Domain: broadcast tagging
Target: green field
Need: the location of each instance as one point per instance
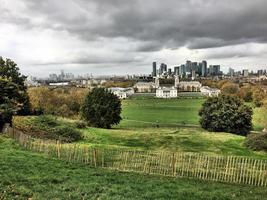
(27, 175)
(162, 112)
(149, 112)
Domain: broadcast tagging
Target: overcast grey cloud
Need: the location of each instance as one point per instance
(102, 36)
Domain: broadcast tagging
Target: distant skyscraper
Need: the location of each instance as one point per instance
(260, 72)
(154, 69)
(231, 72)
(169, 71)
(176, 71)
(245, 73)
(183, 70)
(188, 66)
(163, 68)
(193, 74)
(204, 68)
(214, 70)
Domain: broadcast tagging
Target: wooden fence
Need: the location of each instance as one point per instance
(230, 169)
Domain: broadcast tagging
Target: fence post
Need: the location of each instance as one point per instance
(94, 152)
(173, 164)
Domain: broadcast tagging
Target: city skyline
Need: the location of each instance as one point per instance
(123, 37)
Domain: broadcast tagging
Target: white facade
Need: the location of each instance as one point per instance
(122, 93)
(189, 86)
(166, 92)
(210, 92)
(144, 87)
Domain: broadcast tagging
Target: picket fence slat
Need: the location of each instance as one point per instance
(231, 169)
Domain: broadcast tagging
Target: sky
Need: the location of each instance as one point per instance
(108, 37)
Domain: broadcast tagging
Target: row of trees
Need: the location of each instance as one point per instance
(64, 102)
(246, 92)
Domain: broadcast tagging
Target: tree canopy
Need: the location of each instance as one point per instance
(13, 98)
(226, 113)
(101, 108)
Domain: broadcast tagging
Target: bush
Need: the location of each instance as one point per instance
(66, 134)
(47, 127)
(257, 141)
(2, 122)
(80, 125)
(226, 113)
(101, 108)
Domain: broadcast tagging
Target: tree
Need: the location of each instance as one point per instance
(258, 97)
(13, 98)
(230, 89)
(246, 93)
(101, 108)
(226, 113)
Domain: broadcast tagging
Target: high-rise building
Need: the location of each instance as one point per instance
(194, 66)
(245, 73)
(204, 68)
(214, 70)
(176, 71)
(231, 72)
(183, 70)
(188, 66)
(154, 69)
(170, 71)
(260, 72)
(163, 68)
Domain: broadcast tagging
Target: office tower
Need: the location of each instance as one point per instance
(176, 71)
(193, 74)
(183, 70)
(163, 68)
(169, 71)
(154, 69)
(214, 70)
(188, 66)
(260, 72)
(194, 66)
(204, 71)
(245, 73)
(231, 72)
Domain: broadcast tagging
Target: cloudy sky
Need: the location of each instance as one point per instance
(126, 36)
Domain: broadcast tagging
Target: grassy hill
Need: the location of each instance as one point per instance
(26, 175)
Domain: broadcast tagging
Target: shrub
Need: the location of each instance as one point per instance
(226, 113)
(101, 108)
(47, 127)
(80, 125)
(66, 134)
(257, 141)
(2, 122)
(46, 120)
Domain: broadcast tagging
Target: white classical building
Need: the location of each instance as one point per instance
(210, 92)
(172, 92)
(166, 92)
(145, 87)
(122, 93)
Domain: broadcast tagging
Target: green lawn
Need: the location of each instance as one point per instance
(171, 113)
(164, 112)
(27, 175)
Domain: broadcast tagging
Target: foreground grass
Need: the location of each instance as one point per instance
(29, 175)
